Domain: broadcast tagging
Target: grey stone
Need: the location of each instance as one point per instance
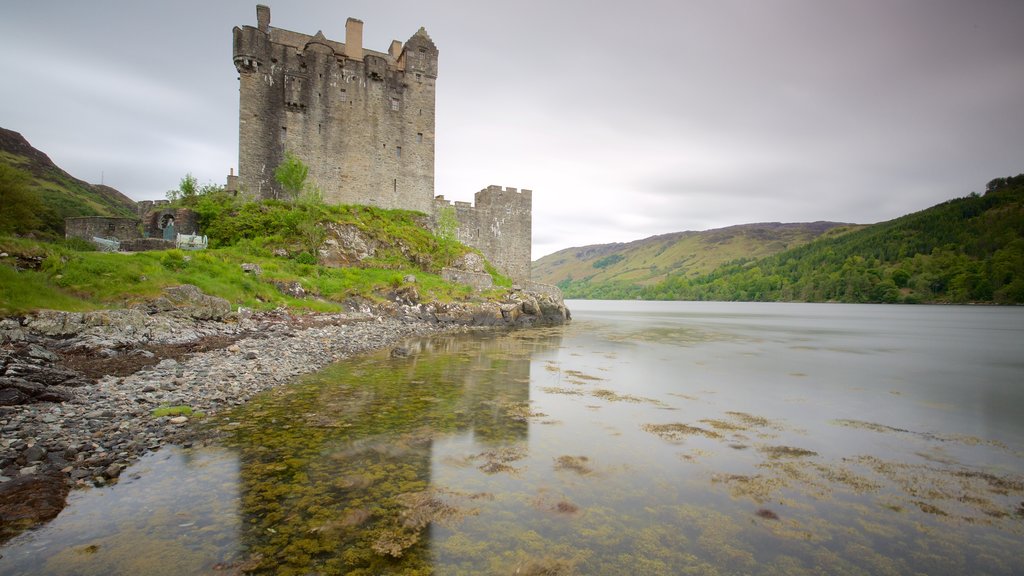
(40, 353)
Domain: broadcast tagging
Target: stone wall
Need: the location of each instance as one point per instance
(500, 225)
(549, 290)
(155, 222)
(363, 121)
(86, 227)
(478, 280)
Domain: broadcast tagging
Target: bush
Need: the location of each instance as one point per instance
(306, 258)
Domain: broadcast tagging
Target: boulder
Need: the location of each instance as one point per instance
(30, 500)
(191, 301)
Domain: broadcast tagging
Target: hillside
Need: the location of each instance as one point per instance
(969, 249)
(61, 194)
(652, 260)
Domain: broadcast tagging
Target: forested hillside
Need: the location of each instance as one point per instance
(965, 250)
(651, 260)
(36, 195)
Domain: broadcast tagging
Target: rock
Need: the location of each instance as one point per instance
(280, 253)
(250, 268)
(234, 348)
(114, 470)
(250, 355)
(293, 289)
(38, 352)
(530, 306)
(408, 295)
(191, 301)
(346, 245)
(178, 420)
(409, 279)
(34, 453)
(28, 501)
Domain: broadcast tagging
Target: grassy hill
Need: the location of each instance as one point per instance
(60, 194)
(273, 235)
(969, 249)
(652, 260)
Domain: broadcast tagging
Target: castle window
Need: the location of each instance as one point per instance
(394, 104)
(419, 137)
(319, 128)
(398, 151)
(344, 95)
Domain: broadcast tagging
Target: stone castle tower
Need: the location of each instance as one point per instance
(363, 121)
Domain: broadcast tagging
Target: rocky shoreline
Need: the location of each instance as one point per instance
(79, 392)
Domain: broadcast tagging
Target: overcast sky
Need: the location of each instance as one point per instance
(625, 119)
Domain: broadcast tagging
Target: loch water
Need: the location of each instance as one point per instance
(642, 438)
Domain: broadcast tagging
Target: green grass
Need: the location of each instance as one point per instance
(242, 232)
(173, 411)
(78, 281)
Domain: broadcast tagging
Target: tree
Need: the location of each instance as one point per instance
(447, 224)
(19, 204)
(291, 175)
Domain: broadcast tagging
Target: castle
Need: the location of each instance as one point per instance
(363, 121)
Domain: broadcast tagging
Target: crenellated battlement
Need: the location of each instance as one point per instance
(499, 224)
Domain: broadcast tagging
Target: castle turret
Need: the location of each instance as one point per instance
(263, 18)
(354, 39)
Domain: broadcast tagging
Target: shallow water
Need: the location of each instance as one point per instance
(648, 438)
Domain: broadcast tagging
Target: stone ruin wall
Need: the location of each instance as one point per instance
(87, 227)
(499, 225)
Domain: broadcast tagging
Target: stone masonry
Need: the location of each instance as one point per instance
(497, 226)
(363, 121)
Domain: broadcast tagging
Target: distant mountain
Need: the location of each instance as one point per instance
(62, 195)
(652, 260)
(964, 250)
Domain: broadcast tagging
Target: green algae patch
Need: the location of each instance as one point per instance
(676, 432)
(777, 452)
(577, 377)
(578, 464)
(612, 396)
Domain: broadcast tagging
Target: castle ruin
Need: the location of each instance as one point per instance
(363, 121)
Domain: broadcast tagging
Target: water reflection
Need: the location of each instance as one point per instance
(649, 438)
(342, 480)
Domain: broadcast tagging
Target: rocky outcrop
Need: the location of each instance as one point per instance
(346, 245)
(519, 309)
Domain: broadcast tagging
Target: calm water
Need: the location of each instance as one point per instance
(644, 438)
